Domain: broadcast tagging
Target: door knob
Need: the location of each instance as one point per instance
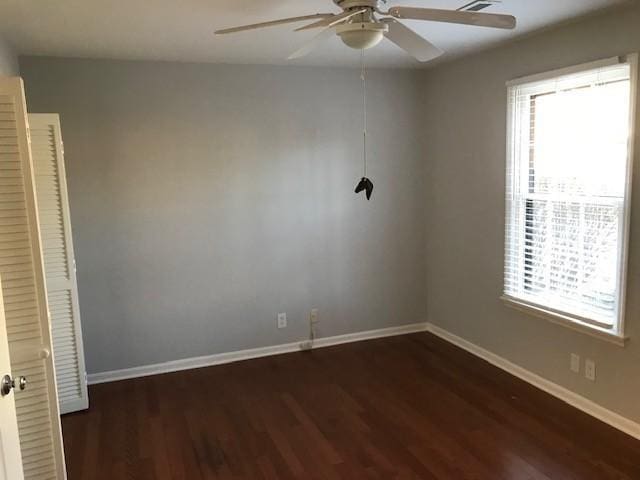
(7, 384)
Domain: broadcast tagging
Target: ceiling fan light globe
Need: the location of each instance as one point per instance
(361, 39)
(362, 36)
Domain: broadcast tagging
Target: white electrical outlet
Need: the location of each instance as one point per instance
(590, 370)
(575, 363)
(282, 320)
(314, 316)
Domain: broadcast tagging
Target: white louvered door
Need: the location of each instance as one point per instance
(59, 265)
(23, 289)
(10, 456)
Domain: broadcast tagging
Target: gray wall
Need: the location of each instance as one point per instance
(8, 59)
(465, 125)
(206, 199)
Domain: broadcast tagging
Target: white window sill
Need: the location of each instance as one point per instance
(566, 321)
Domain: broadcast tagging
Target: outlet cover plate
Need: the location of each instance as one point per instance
(575, 363)
(282, 320)
(590, 370)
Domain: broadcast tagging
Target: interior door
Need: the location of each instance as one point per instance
(59, 264)
(28, 326)
(10, 456)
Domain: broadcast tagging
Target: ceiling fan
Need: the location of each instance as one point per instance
(362, 24)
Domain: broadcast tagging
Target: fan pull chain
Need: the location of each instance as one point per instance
(365, 184)
(363, 76)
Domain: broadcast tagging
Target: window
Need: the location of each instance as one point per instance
(568, 191)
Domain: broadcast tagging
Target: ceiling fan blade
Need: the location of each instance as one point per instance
(322, 37)
(412, 43)
(455, 16)
(273, 23)
(331, 21)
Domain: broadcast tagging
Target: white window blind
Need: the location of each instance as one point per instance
(568, 173)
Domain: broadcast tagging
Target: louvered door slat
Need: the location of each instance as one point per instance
(55, 232)
(23, 286)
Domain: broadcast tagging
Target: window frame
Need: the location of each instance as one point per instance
(591, 327)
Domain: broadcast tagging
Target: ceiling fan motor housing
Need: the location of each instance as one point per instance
(349, 4)
(365, 32)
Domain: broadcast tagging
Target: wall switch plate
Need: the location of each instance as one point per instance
(314, 316)
(590, 370)
(282, 320)
(575, 363)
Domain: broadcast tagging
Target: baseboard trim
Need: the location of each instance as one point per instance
(228, 357)
(581, 403)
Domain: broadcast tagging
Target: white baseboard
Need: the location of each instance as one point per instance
(581, 403)
(221, 358)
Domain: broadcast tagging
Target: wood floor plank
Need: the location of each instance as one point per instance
(403, 408)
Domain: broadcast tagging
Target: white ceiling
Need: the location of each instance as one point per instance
(182, 30)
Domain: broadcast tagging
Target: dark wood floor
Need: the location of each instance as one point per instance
(397, 408)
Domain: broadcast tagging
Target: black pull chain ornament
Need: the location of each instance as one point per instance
(364, 184)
